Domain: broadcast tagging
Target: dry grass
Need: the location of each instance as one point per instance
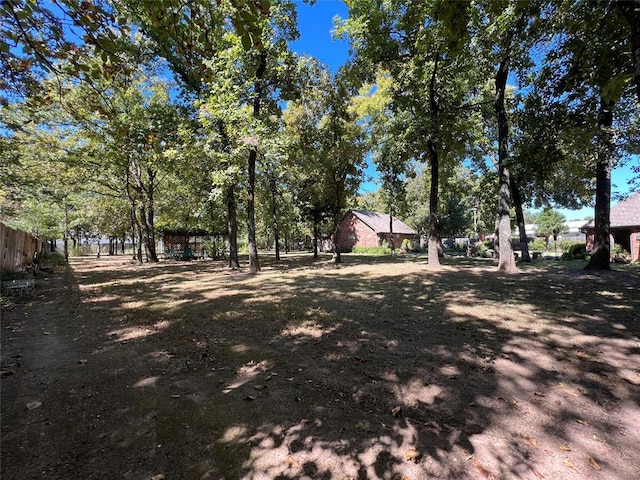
(378, 368)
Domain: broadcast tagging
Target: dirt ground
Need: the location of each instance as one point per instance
(376, 369)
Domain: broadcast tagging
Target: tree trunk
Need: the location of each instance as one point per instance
(232, 224)
(600, 258)
(274, 197)
(254, 263)
(315, 234)
(150, 231)
(433, 244)
(506, 261)
(66, 233)
(392, 244)
(524, 240)
(337, 256)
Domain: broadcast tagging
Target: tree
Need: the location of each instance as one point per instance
(505, 36)
(550, 223)
(591, 78)
(425, 49)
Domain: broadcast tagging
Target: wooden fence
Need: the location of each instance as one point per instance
(18, 248)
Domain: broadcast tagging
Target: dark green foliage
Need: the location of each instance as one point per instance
(577, 251)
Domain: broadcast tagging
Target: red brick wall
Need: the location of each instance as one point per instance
(354, 232)
(635, 245)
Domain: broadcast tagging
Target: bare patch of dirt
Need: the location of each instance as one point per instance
(375, 369)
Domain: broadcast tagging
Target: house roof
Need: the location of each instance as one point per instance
(624, 214)
(379, 222)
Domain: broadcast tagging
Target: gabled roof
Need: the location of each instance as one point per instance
(379, 222)
(625, 214)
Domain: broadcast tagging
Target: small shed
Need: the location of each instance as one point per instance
(625, 225)
(362, 228)
(184, 244)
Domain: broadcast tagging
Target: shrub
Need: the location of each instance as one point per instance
(381, 250)
(479, 249)
(618, 251)
(538, 245)
(576, 251)
(52, 259)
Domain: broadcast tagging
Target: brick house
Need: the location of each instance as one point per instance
(625, 225)
(362, 228)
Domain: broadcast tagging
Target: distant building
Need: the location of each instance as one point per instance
(574, 231)
(363, 228)
(625, 225)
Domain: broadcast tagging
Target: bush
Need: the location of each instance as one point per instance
(479, 249)
(576, 251)
(51, 259)
(381, 250)
(618, 251)
(538, 245)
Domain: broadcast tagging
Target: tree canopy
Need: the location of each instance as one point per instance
(121, 118)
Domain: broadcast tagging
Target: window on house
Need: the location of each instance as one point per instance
(352, 238)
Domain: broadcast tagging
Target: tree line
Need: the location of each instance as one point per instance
(120, 118)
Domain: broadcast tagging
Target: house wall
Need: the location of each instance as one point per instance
(634, 241)
(631, 236)
(355, 232)
(397, 238)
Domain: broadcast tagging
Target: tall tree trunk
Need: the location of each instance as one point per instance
(149, 222)
(506, 261)
(316, 221)
(254, 263)
(274, 201)
(392, 244)
(335, 236)
(133, 232)
(517, 201)
(433, 244)
(135, 225)
(140, 240)
(66, 233)
(232, 224)
(600, 258)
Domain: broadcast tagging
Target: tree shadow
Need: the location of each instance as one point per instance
(374, 369)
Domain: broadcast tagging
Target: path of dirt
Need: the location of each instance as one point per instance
(376, 369)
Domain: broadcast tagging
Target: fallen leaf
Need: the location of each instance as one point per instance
(582, 422)
(249, 397)
(291, 462)
(159, 476)
(261, 386)
(531, 441)
(481, 470)
(33, 405)
(539, 394)
(565, 447)
(411, 455)
(567, 463)
(395, 411)
(593, 464)
(83, 361)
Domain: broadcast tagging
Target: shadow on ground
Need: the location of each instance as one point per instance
(378, 368)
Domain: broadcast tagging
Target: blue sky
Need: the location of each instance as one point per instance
(315, 25)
